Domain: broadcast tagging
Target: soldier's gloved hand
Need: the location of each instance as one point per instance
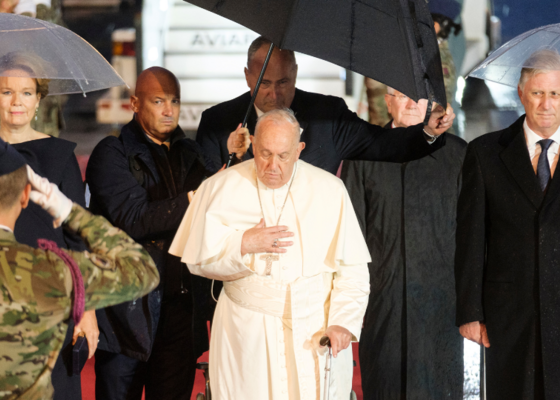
(49, 197)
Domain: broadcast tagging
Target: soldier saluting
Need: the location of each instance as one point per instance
(40, 289)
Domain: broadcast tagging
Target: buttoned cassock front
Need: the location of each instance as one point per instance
(266, 328)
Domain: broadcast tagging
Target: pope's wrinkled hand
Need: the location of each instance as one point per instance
(476, 332)
(239, 142)
(49, 197)
(340, 338)
(265, 240)
(440, 120)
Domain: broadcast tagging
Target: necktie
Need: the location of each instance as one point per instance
(543, 167)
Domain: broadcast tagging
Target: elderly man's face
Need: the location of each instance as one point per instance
(405, 111)
(157, 105)
(278, 86)
(541, 98)
(276, 149)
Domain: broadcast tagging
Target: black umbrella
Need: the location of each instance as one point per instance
(392, 41)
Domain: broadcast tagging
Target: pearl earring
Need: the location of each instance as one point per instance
(36, 112)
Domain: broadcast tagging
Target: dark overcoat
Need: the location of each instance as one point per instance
(147, 200)
(409, 347)
(508, 265)
(331, 133)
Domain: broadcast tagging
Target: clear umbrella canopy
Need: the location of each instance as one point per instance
(505, 64)
(38, 49)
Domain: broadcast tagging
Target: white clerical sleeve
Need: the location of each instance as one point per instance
(349, 298)
(206, 243)
(351, 287)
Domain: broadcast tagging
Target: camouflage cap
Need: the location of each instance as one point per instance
(10, 159)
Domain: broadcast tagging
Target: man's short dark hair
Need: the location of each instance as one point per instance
(260, 42)
(11, 187)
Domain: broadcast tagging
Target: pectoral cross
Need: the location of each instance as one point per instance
(269, 258)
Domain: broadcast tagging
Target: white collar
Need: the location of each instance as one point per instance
(532, 138)
(259, 112)
(4, 227)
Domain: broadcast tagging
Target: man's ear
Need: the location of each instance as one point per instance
(246, 70)
(300, 147)
(388, 99)
(134, 103)
(24, 199)
(520, 94)
(252, 138)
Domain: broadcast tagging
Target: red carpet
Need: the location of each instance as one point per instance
(88, 379)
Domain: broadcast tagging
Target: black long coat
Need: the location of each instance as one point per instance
(508, 265)
(409, 347)
(331, 132)
(147, 199)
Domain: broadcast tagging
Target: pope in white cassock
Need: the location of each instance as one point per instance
(295, 276)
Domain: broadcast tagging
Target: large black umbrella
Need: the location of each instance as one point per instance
(392, 41)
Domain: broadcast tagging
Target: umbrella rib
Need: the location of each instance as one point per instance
(22, 30)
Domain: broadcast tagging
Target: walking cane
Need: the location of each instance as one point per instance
(484, 350)
(325, 341)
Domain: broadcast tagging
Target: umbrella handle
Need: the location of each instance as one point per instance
(254, 95)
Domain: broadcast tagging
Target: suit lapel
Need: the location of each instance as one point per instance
(300, 116)
(516, 158)
(553, 189)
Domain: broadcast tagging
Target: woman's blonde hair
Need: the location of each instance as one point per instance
(30, 63)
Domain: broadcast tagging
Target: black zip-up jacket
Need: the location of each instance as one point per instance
(141, 188)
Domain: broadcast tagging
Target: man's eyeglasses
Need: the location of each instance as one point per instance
(401, 98)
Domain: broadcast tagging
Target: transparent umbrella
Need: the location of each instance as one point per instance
(47, 51)
(504, 65)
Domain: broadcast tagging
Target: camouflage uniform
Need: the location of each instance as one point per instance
(378, 114)
(36, 297)
(377, 109)
(448, 68)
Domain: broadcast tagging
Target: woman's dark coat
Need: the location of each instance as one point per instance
(409, 347)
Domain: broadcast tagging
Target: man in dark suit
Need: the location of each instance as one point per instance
(409, 347)
(330, 130)
(508, 239)
(140, 182)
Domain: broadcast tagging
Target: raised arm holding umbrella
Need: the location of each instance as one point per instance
(350, 34)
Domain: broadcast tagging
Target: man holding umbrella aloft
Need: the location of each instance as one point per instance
(330, 130)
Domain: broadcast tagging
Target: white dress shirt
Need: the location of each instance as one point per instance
(535, 149)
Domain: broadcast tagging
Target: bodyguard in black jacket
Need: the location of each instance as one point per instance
(139, 181)
(331, 132)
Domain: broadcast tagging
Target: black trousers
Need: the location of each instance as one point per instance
(169, 372)
(66, 386)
